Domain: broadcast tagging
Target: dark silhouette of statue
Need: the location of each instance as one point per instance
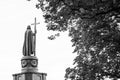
(30, 41)
(29, 46)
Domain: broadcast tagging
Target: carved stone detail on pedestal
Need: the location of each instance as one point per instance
(29, 64)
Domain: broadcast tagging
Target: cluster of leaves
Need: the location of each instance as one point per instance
(94, 28)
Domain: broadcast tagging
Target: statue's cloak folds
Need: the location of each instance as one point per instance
(28, 46)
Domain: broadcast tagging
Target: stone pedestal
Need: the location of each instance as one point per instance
(29, 64)
(30, 76)
(29, 70)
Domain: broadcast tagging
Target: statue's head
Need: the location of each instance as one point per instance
(28, 27)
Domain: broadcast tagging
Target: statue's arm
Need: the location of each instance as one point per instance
(33, 34)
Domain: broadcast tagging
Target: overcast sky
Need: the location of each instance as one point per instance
(54, 56)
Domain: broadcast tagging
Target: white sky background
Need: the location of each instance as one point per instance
(54, 56)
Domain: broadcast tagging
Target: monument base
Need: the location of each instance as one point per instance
(29, 64)
(30, 76)
(29, 70)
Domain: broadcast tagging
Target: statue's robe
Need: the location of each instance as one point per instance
(28, 47)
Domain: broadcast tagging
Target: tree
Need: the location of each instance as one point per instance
(94, 28)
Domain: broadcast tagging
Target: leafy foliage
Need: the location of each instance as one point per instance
(94, 28)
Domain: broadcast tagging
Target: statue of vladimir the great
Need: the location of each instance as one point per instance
(28, 46)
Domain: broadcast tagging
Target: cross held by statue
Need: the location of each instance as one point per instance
(35, 23)
(35, 31)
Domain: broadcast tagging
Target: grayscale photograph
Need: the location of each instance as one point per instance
(60, 39)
